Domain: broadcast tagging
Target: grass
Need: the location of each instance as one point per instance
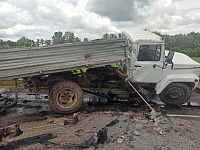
(196, 59)
(10, 84)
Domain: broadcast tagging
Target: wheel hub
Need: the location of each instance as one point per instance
(175, 93)
(66, 98)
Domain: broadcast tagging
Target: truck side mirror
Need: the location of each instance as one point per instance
(169, 59)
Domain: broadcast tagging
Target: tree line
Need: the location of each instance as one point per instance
(57, 38)
(184, 43)
(188, 44)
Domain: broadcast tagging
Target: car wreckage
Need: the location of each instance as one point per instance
(139, 57)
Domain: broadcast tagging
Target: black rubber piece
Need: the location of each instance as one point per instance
(7, 102)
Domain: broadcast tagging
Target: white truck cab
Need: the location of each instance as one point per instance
(173, 74)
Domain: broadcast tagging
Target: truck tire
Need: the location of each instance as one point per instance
(175, 94)
(65, 97)
(7, 102)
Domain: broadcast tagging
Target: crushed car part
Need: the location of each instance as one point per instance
(7, 102)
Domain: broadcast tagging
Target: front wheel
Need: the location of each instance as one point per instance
(65, 97)
(175, 94)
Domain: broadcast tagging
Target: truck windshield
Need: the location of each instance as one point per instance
(149, 53)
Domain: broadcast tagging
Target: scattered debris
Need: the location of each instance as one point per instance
(135, 132)
(163, 119)
(50, 119)
(6, 103)
(29, 140)
(76, 118)
(63, 120)
(99, 137)
(175, 115)
(154, 114)
(130, 124)
(2, 110)
(92, 141)
(120, 139)
(158, 128)
(10, 131)
(102, 135)
(60, 121)
(112, 123)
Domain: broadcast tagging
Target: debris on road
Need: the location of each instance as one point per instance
(6, 103)
(63, 120)
(117, 119)
(112, 123)
(136, 133)
(2, 110)
(190, 116)
(10, 131)
(158, 128)
(99, 137)
(120, 139)
(92, 141)
(102, 135)
(29, 140)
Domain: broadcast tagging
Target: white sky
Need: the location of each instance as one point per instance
(36, 19)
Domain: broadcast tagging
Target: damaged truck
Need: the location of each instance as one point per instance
(138, 57)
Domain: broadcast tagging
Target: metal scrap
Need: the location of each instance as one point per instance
(63, 120)
(10, 131)
(99, 137)
(29, 140)
(6, 103)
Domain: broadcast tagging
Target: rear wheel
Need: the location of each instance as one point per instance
(65, 97)
(175, 94)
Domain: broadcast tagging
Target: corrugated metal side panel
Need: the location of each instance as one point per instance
(15, 63)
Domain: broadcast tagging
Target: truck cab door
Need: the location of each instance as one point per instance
(149, 65)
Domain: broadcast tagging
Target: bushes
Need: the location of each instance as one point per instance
(10, 84)
(6, 83)
(196, 59)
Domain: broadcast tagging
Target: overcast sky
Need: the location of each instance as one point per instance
(92, 18)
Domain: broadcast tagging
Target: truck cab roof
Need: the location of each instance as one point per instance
(138, 36)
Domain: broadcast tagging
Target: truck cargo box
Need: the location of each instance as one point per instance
(25, 62)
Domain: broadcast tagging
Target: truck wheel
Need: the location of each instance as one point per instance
(65, 97)
(175, 94)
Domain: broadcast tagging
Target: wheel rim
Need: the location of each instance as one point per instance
(175, 94)
(66, 98)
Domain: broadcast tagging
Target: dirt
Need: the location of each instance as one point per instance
(132, 124)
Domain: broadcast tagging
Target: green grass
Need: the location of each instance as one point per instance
(10, 84)
(196, 59)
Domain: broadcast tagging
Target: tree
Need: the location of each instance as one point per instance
(109, 35)
(37, 42)
(69, 36)
(119, 35)
(113, 36)
(58, 38)
(25, 42)
(41, 41)
(85, 40)
(47, 42)
(106, 35)
(185, 43)
(77, 39)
